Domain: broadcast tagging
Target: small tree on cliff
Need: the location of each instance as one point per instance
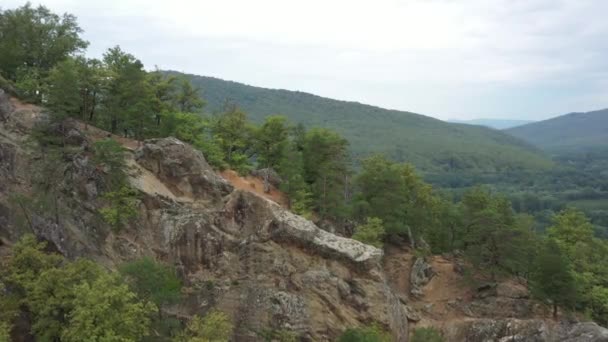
(553, 279)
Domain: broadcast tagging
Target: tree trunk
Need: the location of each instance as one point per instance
(324, 195)
(93, 105)
(27, 216)
(411, 237)
(56, 210)
(266, 181)
(555, 310)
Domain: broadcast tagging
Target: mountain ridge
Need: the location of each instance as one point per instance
(430, 144)
(576, 131)
(499, 124)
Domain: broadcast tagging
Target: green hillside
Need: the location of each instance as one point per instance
(572, 132)
(494, 123)
(430, 144)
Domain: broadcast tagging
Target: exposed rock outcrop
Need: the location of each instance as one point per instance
(6, 107)
(420, 275)
(249, 257)
(183, 167)
(517, 330)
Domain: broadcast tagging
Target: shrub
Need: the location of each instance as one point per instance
(216, 326)
(427, 334)
(371, 233)
(371, 333)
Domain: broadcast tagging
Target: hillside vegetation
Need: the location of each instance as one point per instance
(567, 133)
(494, 123)
(430, 144)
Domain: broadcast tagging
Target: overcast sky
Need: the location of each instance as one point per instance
(520, 59)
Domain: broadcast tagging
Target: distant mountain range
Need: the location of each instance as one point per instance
(493, 123)
(567, 133)
(430, 144)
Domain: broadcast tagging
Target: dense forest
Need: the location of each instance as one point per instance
(428, 143)
(453, 157)
(42, 61)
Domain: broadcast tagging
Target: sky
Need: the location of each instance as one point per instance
(450, 59)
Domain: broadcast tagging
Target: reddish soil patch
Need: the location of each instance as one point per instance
(255, 185)
(398, 261)
(23, 106)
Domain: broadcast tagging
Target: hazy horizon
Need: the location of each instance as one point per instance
(522, 60)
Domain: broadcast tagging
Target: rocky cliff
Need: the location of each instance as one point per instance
(246, 255)
(238, 252)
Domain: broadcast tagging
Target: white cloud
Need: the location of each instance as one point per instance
(465, 58)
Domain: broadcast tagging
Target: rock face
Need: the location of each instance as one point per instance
(533, 330)
(420, 275)
(242, 254)
(247, 256)
(270, 174)
(5, 106)
(180, 165)
(277, 270)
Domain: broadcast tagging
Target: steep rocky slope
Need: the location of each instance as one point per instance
(248, 256)
(238, 252)
(436, 292)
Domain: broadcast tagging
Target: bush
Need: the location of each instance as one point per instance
(372, 333)
(215, 326)
(73, 301)
(427, 334)
(109, 155)
(371, 233)
(122, 206)
(153, 281)
(4, 332)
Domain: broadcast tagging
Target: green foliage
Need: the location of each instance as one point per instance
(64, 90)
(371, 333)
(29, 84)
(587, 255)
(371, 233)
(153, 281)
(552, 278)
(427, 143)
(326, 169)
(427, 334)
(278, 335)
(196, 130)
(36, 38)
(567, 133)
(73, 301)
(271, 141)
(29, 261)
(188, 99)
(130, 98)
(121, 207)
(216, 326)
(491, 239)
(109, 155)
(105, 310)
(572, 231)
(397, 195)
(234, 136)
(5, 332)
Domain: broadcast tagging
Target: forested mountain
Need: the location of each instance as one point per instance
(567, 133)
(129, 213)
(430, 144)
(494, 123)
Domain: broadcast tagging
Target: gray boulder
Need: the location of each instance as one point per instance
(181, 167)
(420, 275)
